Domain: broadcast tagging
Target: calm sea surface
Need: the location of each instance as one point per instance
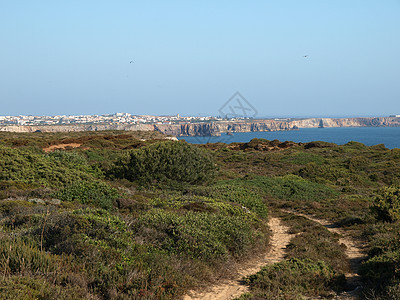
(390, 136)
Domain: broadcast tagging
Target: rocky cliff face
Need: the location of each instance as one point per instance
(216, 128)
(347, 122)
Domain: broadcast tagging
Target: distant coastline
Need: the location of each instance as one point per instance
(216, 128)
(389, 136)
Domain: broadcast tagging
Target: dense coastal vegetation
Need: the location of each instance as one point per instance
(128, 215)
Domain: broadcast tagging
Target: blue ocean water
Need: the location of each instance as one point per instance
(389, 136)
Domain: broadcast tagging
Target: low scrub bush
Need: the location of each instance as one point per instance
(292, 187)
(381, 271)
(167, 162)
(303, 158)
(92, 193)
(386, 204)
(202, 235)
(314, 241)
(294, 278)
(19, 257)
(36, 287)
(27, 166)
(248, 197)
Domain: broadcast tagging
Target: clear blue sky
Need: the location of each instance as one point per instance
(73, 57)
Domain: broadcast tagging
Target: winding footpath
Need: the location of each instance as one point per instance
(354, 253)
(280, 238)
(230, 289)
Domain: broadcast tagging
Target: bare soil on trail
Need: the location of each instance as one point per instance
(233, 288)
(61, 146)
(230, 289)
(354, 251)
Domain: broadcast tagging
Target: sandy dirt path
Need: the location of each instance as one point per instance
(61, 146)
(230, 289)
(354, 251)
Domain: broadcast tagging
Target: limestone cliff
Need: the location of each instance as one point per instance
(347, 122)
(216, 128)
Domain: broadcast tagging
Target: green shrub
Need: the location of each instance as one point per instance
(74, 232)
(324, 173)
(198, 235)
(113, 264)
(13, 206)
(19, 257)
(316, 242)
(27, 166)
(386, 204)
(302, 158)
(292, 278)
(93, 193)
(248, 197)
(29, 287)
(168, 162)
(291, 187)
(381, 267)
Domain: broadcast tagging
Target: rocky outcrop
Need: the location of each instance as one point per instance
(216, 128)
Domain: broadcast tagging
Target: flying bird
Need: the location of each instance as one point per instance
(306, 55)
(131, 62)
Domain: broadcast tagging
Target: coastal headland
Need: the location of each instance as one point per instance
(216, 128)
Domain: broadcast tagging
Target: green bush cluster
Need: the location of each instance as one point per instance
(381, 271)
(195, 203)
(37, 287)
(292, 187)
(293, 278)
(198, 235)
(27, 166)
(386, 204)
(103, 257)
(303, 158)
(95, 193)
(316, 242)
(167, 162)
(248, 197)
(24, 257)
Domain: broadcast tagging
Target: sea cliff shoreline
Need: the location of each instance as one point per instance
(218, 127)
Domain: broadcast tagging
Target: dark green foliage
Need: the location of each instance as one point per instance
(112, 262)
(92, 193)
(314, 241)
(381, 272)
(302, 158)
(199, 235)
(355, 145)
(325, 174)
(292, 187)
(39, 169)
(386, 204)
(18, 257)
(248, 197)
(167, 162)
(292, 278)
(36, 287)
(318, 144)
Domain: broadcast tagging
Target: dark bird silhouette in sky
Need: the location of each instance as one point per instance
(131, 62)
(306, 55)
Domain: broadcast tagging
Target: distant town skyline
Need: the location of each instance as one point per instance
(288, 58)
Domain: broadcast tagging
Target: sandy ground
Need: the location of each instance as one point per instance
(230, 289)
(61, 146)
